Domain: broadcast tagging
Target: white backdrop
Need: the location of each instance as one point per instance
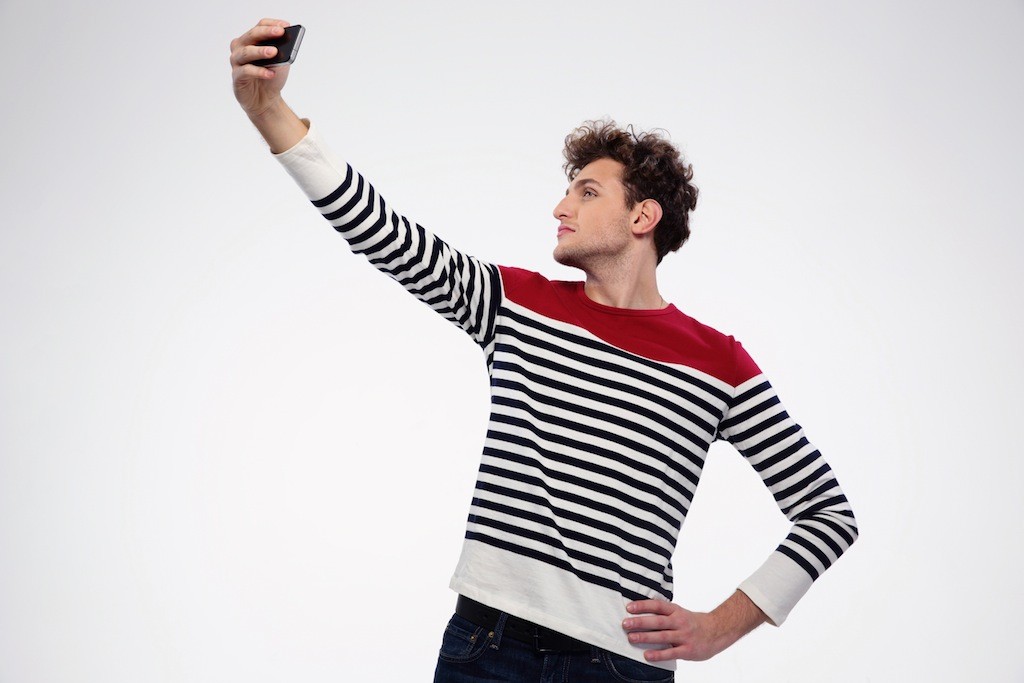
(230, 450)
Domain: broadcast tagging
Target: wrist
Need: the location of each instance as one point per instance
(268, 112)
(733, 619)
(279, 125)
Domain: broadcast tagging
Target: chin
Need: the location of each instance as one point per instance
(565, 258)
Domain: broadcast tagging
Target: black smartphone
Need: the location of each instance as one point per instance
(287, 47)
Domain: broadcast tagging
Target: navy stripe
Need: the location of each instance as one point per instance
(399, 253)
(589, 484)
(803, 485)
(370, 241)
(659, 369)
(572, 553)
(749, 394)
(840, 529)
(566, 514)
(774, 439)
(588, 538)
(784, 454)
(610, 510)
(823, 536)
(623, 407)
(634, 387)
(822, 506)
(822, 558)
(340, 190)
(800, 465)
(347, 207)
(574, 427)
(760, 426)
(747, 414)
(796, 557)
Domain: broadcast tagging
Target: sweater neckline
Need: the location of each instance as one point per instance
(611, 310)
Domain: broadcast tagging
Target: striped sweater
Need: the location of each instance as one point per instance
(601, 419)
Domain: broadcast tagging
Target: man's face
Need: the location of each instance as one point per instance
(594, 224)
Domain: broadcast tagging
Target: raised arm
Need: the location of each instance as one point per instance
(463, 289)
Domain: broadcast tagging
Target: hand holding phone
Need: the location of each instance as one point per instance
(258, 89)
(287, 47)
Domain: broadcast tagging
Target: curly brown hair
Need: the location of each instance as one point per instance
(654, 169)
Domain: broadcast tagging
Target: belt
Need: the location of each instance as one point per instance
(543, 639)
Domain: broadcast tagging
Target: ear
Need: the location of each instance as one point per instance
(646, 215)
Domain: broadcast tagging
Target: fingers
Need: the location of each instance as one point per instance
(650, 607)
(663, 617)
(250, 53)
(682, 634)
(658, 623)
(663, 623)
(656, 637)
(664, 655)
(244, 49)
(265, 30)
(244, 71)
(257, 88)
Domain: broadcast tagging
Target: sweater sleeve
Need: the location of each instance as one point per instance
(803, 486)
(463, 289)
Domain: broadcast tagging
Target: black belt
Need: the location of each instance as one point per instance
(544, 639)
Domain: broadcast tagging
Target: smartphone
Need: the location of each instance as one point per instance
(287, 47)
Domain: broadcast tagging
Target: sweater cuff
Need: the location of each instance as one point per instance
(776, 587)
(312, 165)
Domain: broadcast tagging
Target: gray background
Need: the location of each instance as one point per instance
(230, 450)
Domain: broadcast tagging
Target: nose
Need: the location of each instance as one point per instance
(563, 208)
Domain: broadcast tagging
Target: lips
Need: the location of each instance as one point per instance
(562, 229)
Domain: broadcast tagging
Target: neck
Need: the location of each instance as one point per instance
(635, 288)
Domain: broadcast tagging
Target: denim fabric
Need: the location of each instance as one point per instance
(474, 654)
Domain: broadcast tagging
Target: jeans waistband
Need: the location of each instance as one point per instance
(542, 638)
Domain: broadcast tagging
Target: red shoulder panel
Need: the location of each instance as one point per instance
(667, 335)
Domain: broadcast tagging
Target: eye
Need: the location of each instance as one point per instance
(589, 193)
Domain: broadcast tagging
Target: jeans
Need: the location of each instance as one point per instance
(474, 654)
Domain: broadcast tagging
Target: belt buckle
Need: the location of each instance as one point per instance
(537, 641)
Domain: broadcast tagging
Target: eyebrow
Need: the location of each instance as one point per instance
(584, 181)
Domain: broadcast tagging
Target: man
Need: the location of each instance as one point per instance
(605, 399)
